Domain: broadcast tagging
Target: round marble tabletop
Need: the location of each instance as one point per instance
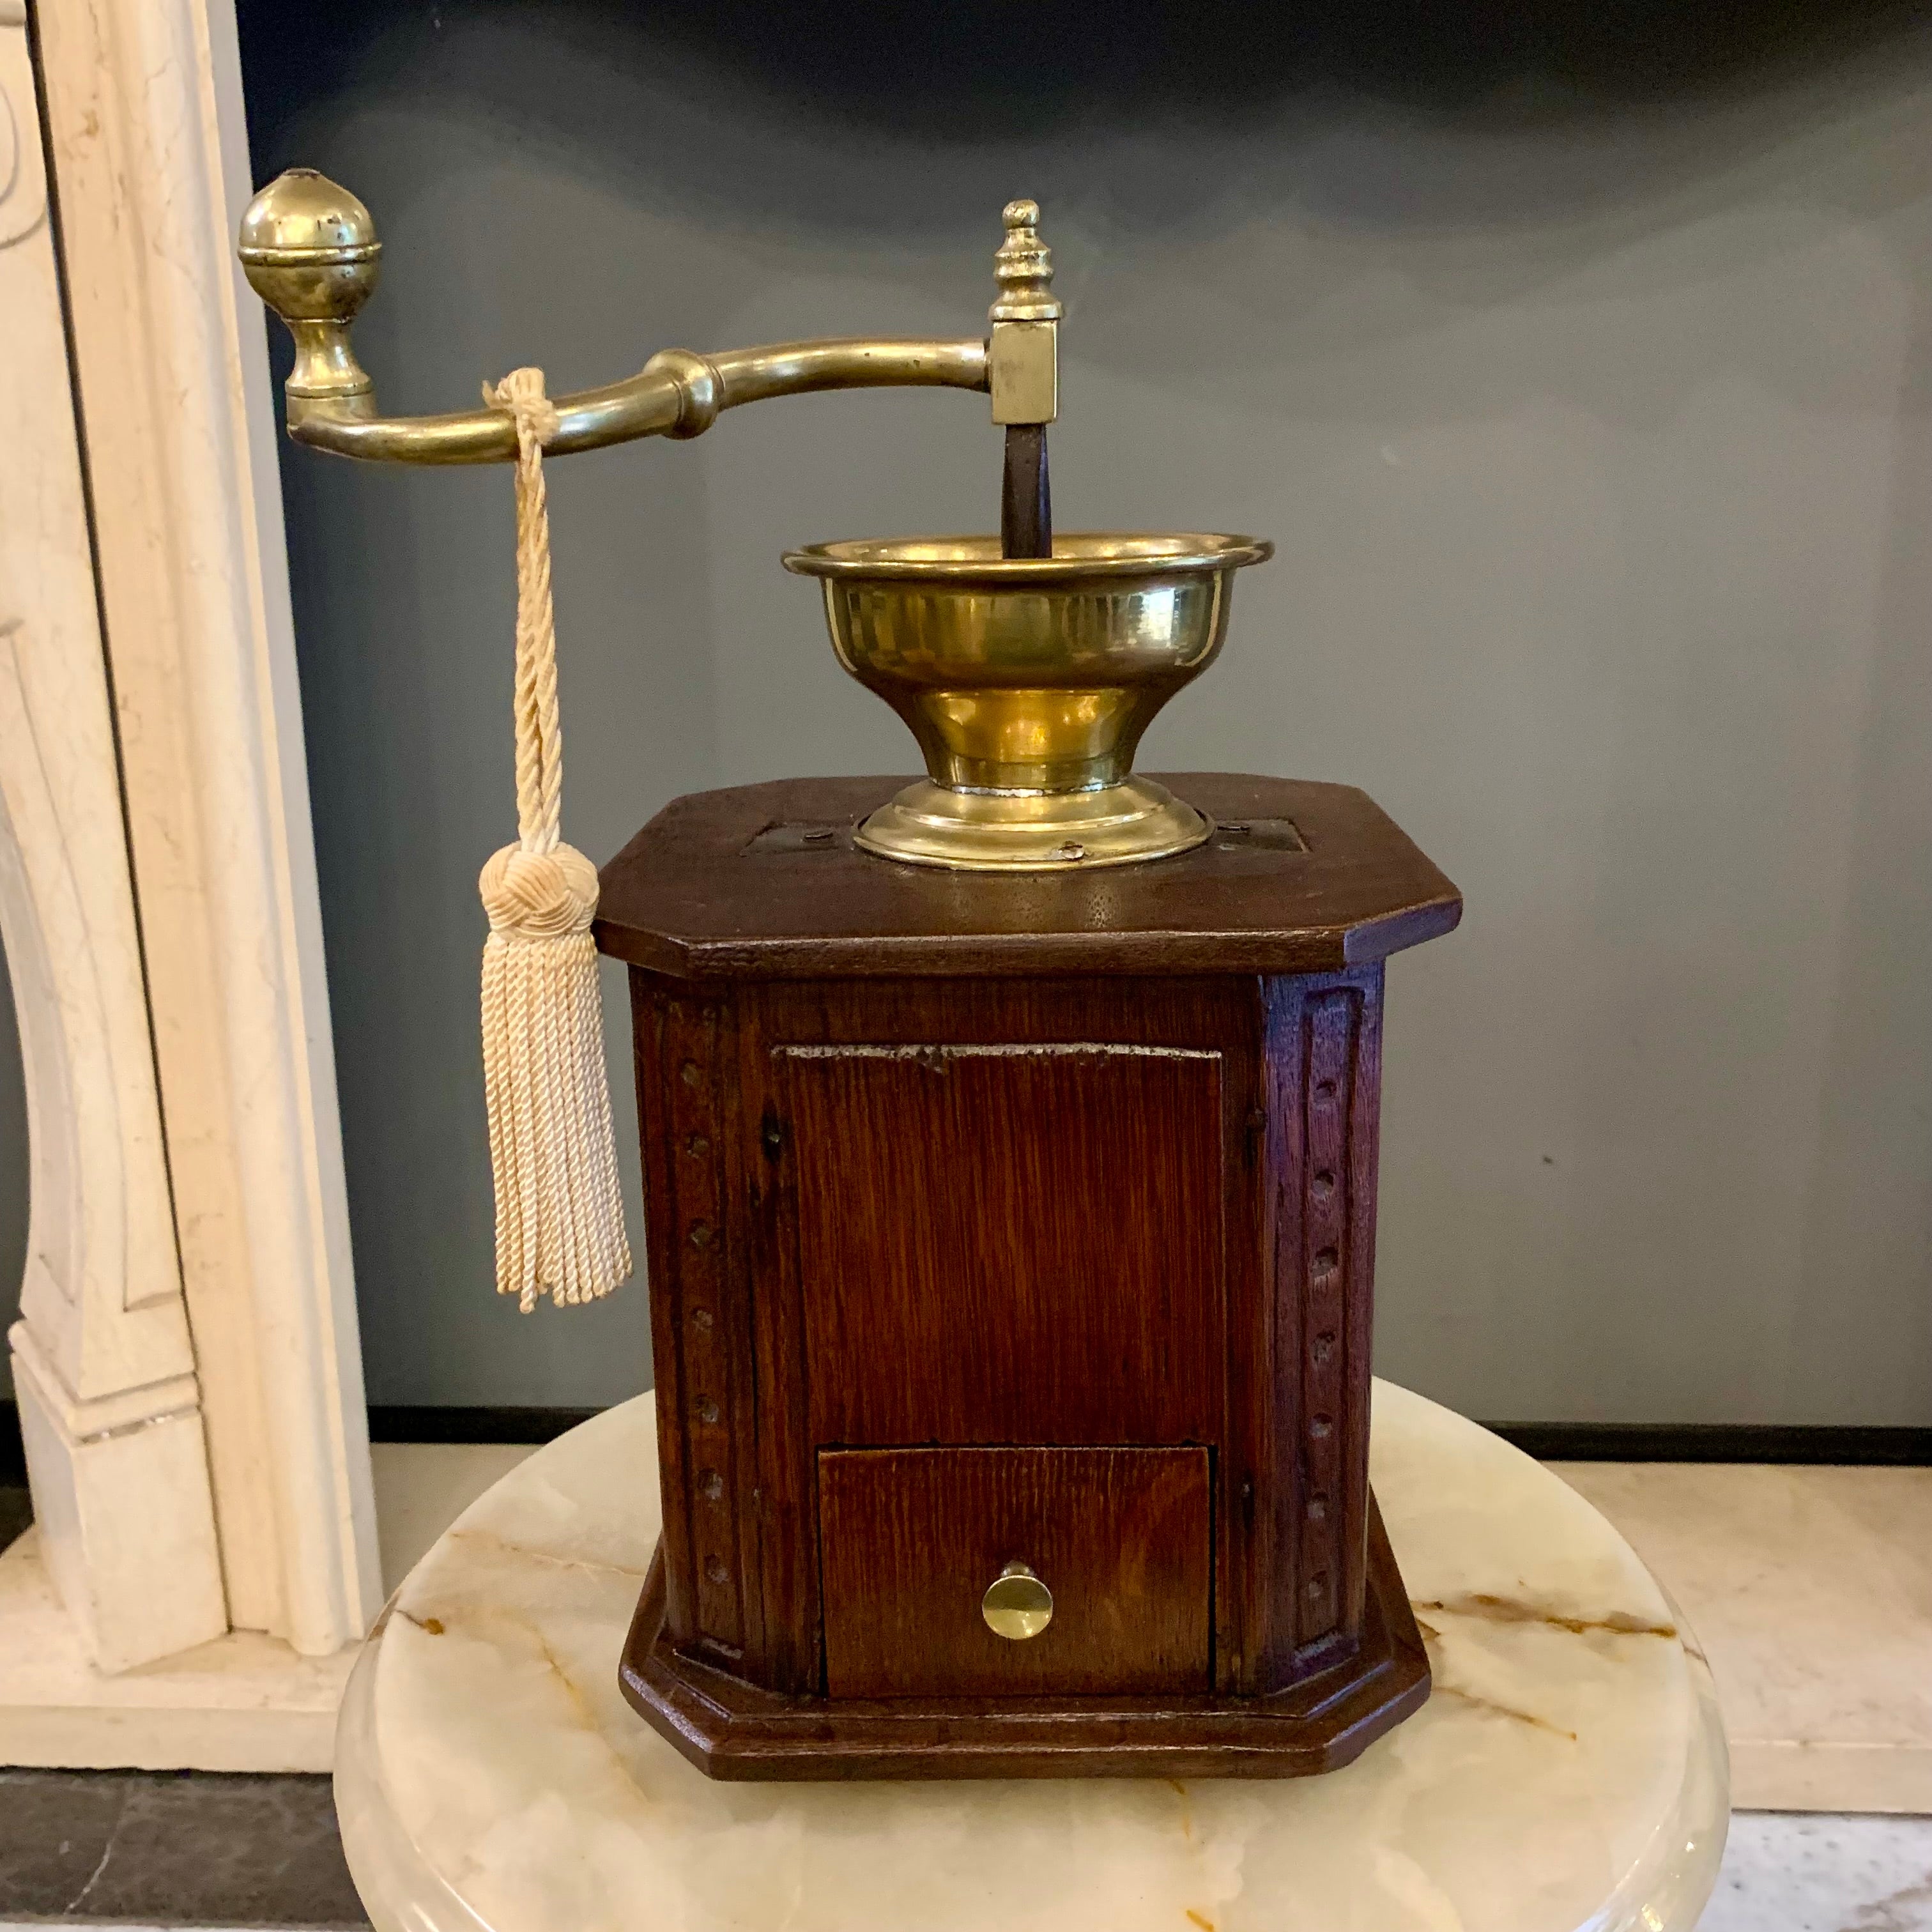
(1568, 1771)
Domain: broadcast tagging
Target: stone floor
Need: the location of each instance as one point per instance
(1813, 1872)
(171, 1848)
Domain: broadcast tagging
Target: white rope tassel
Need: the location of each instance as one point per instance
(560, 1216)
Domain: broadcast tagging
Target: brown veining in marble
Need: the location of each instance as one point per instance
(579, 1703)
(484, 1615)
(523, 1554)
(1469, 1697)
(487, 1614)
(1186, 1811)
(1508, 1610)
(1432, 1636)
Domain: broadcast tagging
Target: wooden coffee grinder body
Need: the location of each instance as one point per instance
(1046, 1249)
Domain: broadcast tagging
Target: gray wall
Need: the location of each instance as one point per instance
(1580, 374)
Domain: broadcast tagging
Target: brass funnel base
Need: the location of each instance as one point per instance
(929, 824)
(1028, 682)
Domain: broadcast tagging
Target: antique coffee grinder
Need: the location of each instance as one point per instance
(1009, 1139)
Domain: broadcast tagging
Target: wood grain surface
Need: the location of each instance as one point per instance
(912, 1538)
(763, 881)
(1009, 1243)
(735, 1730)
(1083, 1212)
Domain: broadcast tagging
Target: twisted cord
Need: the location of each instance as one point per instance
(560, 1215)
(539, 736)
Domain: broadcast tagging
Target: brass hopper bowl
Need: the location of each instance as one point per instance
(1028, 682)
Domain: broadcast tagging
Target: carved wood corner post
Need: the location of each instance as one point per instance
(1012, 1249)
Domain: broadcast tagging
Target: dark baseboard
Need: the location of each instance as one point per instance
(1548, 1441)
(1848, 1444)
(421, 1422)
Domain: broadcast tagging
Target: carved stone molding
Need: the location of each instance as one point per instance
(23, 183)
(204, 1009)
(103, 1368)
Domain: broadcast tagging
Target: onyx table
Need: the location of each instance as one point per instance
(1568, 1771)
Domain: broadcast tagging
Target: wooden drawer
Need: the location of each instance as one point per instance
(912, 1538)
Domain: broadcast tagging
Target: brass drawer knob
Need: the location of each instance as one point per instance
(1017, 1604)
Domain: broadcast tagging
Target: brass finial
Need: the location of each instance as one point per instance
(309, 249)
(1024, 268)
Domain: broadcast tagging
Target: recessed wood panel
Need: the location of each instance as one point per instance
(911, 1538)
(1008, 1244)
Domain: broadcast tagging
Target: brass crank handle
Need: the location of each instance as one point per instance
(309, 249)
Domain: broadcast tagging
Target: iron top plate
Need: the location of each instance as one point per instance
(763, 882)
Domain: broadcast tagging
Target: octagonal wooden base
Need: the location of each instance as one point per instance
(731, 1729)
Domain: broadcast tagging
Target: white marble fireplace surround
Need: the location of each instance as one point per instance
(187, 1363)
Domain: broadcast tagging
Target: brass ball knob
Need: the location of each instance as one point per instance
(1017, 1604)
(309, 248)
